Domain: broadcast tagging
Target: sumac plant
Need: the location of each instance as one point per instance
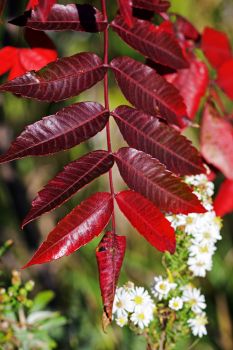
(164, 92)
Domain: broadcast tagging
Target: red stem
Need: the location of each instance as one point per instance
(106, 101)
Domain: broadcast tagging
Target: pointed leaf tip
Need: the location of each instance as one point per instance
(76, 229)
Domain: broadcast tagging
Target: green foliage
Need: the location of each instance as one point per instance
(25, 324)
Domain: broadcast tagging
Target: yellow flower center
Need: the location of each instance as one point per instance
(204, 249)
(141, 316)
(138, 300)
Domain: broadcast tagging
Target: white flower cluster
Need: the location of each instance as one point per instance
(199, 233)
(203, 229)
(133, 304)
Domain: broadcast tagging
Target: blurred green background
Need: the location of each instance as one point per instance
(74, 279)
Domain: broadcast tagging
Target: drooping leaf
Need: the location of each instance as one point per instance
(64, 185)
(59, 80)
(82, 17)
(225, 78)
(148, 91)
(150, 135)
(216, 47)
(152, 5)
(223, 203)
(192, 84)
(109, 254)
(217, 141)
(151, 41)
(186, 28)
(126, 11)
(148, 220)
(149, 177)
(76, 229)
(63, 130)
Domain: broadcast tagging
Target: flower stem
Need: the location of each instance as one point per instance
(106, 101)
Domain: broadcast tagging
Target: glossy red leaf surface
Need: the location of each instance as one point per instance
(223, 203)
(150, 135)
(148, 220)
(76, 229)
(217, 141)
(7, 58)
(225, 78)
(151, 41)
(216, 47)
(59, 80)
(82, 17)
(109, 254)
(75, 175)
(186, 28)
(126, 11)
(149, 177)
(63, 130)
(192, 84)
(148, 91)
(152, 5)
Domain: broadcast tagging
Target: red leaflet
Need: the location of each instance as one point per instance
(153, 42)
(149, 177)
(76, 229)
(63, 130)
(225, 78)
(109, 254)
(216, 47)
(64, 185)
(192, 84)
(76, 17)
(59, 80)
(223, 203)
(217, 141)
(148, 134)
(148, 91)
(186, 28)
(148, 220)
(126, 11)
(152, 5)
(18, 61)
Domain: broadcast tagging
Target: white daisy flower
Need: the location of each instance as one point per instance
(142, 318)
(122, 320)
(176, 303)
(162, 287)
(141, 299)
(192, 223)
(122, 302)
(199, 265)
(198, 324)
(195, 299)
(202, 249)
